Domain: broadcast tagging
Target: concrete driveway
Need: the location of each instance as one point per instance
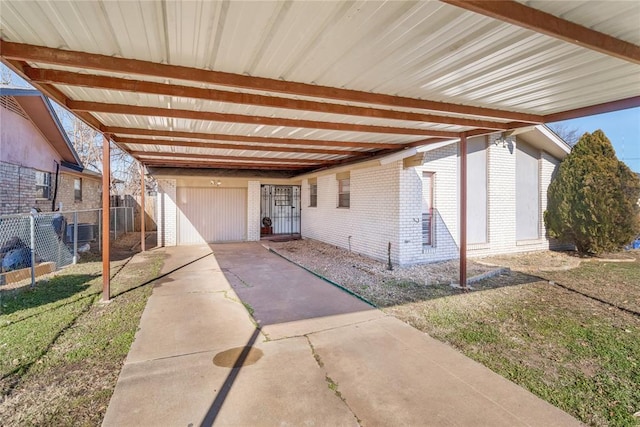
(313, 356)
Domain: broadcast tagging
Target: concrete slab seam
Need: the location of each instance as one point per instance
(333, 386)
(246, 284)
(174, 356)
(306, 334)
(320, 276)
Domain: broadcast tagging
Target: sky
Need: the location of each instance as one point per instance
(621, 127)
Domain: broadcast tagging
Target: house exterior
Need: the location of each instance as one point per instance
(406, 203)
(38, 166)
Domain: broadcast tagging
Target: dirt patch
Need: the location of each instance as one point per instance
(373, 281)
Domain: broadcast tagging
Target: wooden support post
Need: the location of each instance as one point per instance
(142, 209)
(463, 210)
(106, 217)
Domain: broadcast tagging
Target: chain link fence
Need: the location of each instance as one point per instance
(40, 243)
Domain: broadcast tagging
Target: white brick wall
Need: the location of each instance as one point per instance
(253, 211)
(167, 213)
(501, 205)
(369, 224)
(444, 163)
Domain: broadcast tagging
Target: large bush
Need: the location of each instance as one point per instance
(593, 200)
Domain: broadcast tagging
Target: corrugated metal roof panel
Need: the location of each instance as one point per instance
(620, 19)
(409, 49)
(427, 50)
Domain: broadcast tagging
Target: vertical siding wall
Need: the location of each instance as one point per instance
(372, 220)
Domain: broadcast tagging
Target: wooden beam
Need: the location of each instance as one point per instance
(541, 22)
(426, 142)
(101, 107)
(20, 67)
(90, 61)
(151, 154)
(129, 85)
(197, 144)
(606, 107)
(221, 165)
(244, 138)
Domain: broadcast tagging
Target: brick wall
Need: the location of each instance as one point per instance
(253, 211)
(443, 162)
(91, 197)
(501, 193)
(371, 221)
(17, 189)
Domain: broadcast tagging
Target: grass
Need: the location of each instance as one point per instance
(575, 343)
(61, 350)
(577, 353)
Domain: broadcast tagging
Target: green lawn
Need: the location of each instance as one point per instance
(61, 350)
(577, 353)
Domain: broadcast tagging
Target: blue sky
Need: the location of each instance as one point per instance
(621, 127)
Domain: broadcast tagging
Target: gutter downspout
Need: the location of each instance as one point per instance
(55, 190)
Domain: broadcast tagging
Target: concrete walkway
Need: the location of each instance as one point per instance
(320, 358)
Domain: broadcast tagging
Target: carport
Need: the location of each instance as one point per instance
(288, 87)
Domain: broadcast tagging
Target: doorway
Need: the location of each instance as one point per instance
(279, 210)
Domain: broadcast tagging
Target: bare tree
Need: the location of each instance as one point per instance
(9, 78)
(570, 135)
(88, 143)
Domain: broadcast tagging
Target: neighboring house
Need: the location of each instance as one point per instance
(38, 166)
(407, 199)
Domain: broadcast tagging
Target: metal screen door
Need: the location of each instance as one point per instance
(280, 209)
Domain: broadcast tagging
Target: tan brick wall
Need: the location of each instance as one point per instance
(91, 196)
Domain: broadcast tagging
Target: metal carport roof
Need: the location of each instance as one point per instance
(297, 85)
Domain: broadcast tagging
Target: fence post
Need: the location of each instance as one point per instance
(115, 223)
(126, 225)
(32, 223)
(75, 237)
(133, 219)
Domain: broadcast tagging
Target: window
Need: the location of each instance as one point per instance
(77, 189)
(313, 193)
(344, 184)
(43, 185)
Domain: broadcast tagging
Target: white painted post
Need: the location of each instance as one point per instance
(115, 223)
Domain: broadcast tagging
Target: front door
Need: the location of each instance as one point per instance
(280, 209)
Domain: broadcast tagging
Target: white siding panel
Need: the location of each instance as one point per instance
(477, 191)
(211, 215)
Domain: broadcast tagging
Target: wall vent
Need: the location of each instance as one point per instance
(10, 103)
